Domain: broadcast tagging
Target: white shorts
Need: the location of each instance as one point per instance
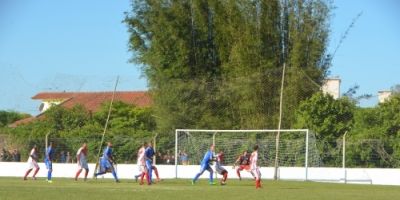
(142, 168)
(32, 164)
(83, 164)
(256, 172)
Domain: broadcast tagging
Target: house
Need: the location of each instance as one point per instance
(92, 101)
(384, 95)
(332, 86)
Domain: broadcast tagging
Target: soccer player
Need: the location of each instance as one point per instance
(220, 169)
(141, 163)
(82, 162)
(32, 163)
(254, 168)
(205, 165)
(49, 161)
(244, 164)
(148, 156)
(106, 162)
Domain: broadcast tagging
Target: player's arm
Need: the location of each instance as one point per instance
(78, 158)
(237, 162)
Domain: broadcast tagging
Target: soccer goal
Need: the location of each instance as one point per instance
(296, 150)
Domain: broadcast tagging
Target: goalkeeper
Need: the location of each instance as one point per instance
(107, 162)
(205, 165)
(219, 168)
(244, 164)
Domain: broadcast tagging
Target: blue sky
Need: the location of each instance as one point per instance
(77, 45)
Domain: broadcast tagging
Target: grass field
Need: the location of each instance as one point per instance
(15, 188)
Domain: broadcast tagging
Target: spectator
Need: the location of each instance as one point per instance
(159, 158)
(62, 157)
(16, 156)
(167, 158)
(183, 158)
(68, 158)
(2, 155)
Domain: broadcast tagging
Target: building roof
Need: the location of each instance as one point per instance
(92, 100)
(22, 121)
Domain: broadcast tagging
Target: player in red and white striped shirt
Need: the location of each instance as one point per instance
(32, 163)
(82, 161)
(141, 163)
(254, 168)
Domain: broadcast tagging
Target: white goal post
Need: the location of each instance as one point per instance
(230, 139)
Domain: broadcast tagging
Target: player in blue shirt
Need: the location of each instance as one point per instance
(148, 156)
(205, 165)
(106, 162)
(48, 160)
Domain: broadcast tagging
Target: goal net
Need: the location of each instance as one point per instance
(296, 149)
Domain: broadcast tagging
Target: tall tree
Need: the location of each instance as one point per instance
(217, 63)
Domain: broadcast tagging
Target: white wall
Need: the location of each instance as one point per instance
(127, 171)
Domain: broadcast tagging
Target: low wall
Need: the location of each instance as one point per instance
(127, 171)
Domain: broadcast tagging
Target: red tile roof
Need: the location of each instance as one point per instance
(22, 121)
(93, 100)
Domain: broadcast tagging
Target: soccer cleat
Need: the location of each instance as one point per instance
(193, 182)
(33, 178)
(211, 183)
(223, 183)
(49, 181)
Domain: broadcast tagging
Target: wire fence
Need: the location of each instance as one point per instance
(366, 153)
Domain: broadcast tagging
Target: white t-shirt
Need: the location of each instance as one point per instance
(253, 160)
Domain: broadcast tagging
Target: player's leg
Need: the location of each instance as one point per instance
(143, 171)
(224, 177)
(149, 171)
(27, 173)
(78, 173)
(102, 169)
(36, 166)
(156, 172)
(113, 172)
(211, 179)
(257, 174)
(202, 169)
(49, 166)
(258, 179)
(240, 168)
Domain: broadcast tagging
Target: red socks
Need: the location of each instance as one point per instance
(258, 183)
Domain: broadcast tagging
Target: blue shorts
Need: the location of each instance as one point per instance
(49, 164)
(105, 164)
(205, 167)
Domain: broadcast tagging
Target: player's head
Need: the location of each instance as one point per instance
(149, 144)
(255, 147)
(144, 144)
(51, 144)
(84, 145)
(245, 152)
(109, 144)
(212, 147)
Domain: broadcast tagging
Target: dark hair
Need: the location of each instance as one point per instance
(255, 147)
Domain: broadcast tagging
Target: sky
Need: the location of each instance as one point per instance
(76, 45)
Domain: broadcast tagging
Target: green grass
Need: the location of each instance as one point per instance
(13, 188)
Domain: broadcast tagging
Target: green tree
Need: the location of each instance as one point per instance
(8, 117)
(329, 119)
(217, 64)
